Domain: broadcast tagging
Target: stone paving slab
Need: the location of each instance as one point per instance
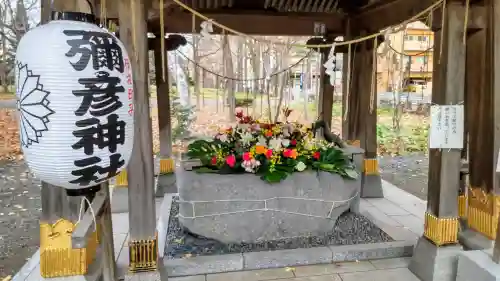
(397, 274)
(204, 264)
(374, 270)
(282, 258)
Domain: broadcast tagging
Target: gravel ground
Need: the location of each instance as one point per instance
(350, 229)
(20, 208)
(407, 172)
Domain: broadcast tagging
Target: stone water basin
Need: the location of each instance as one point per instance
(243, 208)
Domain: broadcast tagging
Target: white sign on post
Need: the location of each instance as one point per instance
(447, 126)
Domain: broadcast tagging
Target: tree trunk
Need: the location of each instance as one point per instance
(196, 70)
(228, 62)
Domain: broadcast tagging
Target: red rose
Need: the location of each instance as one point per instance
(316, 155)
(231, 160)
(214, 160)
(293, 142)
(269, 153)
(239, 114)
(287, 153)
(247, 156)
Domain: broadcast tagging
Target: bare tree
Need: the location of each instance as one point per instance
(14, 23)
(229, 72)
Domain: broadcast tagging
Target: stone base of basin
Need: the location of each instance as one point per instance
(243, 208)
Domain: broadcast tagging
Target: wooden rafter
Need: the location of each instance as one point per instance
(255, 24)
(388, 13)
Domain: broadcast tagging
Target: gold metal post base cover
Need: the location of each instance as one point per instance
(462, 206)
(57, 257)
(121, 179)
(143, 255)
(482, 211)
(371, 167)
(441, 231)
(167, 166)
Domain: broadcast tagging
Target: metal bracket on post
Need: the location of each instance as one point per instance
(98, 216)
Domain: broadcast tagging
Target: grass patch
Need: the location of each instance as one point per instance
(7, 96)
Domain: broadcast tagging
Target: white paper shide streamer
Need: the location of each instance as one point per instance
(330, 65)
(180, 77)
(206, 28)
(75, 103)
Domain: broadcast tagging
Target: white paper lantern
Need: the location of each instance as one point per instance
(75, 103)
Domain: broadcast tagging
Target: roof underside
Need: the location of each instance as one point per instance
(306, 6)
(284, 6)
(284, 17)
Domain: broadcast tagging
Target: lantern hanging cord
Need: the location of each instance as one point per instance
(82, 206)
(238, 79)
(358, 40)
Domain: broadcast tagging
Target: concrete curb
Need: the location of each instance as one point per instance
(402, 247)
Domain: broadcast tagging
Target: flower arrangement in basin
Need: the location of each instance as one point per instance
(272, 151)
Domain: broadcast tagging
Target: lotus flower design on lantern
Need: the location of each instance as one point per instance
(32, 104)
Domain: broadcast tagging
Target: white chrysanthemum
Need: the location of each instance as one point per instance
(300, 166)
(246, 138)
(275, 144)
(261, 140)
(285, 142)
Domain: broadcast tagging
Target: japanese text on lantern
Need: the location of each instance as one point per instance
(130, 89)
(447, 126)
(99, 101)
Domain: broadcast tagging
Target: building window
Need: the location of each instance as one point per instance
(409, 37)
(422, 38)
(421, 59)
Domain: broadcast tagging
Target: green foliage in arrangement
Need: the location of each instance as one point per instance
(272, 151)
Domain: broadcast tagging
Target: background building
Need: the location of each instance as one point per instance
(407, 56)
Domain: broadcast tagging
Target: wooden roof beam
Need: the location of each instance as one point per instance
(254, 24)
(397, 11)
(391, 13)
(476, 17)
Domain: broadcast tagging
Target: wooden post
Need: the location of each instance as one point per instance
(444, 165)
(361, 124)
(326, 90)
(60, 212)
(496, 249)
(483, 210)
(142, 237)
(476, 94)
(164, 120)
(346, 81)
(430, 261)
